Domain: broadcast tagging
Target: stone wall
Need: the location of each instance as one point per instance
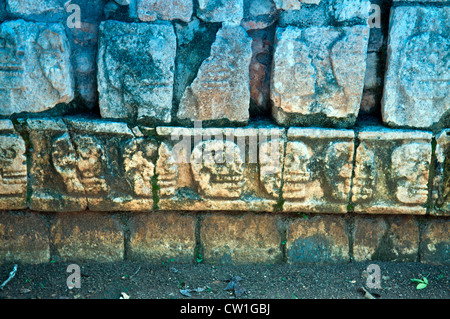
(226, 131)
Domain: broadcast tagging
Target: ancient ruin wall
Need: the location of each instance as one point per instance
(226, 131)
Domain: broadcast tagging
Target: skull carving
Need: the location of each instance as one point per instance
(338, 169)
(13, 170)
(218, 168)
(365, 177)
(90, 164)
(296, 170)
(270, 160)
(65, 162)
(11, 56)
(138, 165)
(410, 167)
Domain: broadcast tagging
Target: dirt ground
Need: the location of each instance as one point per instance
(201, 281)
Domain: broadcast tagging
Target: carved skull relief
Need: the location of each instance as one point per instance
(65, 163)
(218, 168)
(138, 165)
(296, 170)
(13, 170)
(338, 173)
(410, 167)
(90, 164)
(365, 174)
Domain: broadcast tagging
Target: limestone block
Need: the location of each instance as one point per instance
(318, 75)
(218, 169)
(391, 171)
(87, 237)
(393, 238)
(162, 236)
(317, 170)
(221, 10)
(435, 242)
(23, 238)
(35, 69)
(259, 14)
(293, 4)
(33, 7)
(246, 239)
(441, 183)
(115, 166)
(320, 239)
(136, 64)
(151, 10)
(221, 90)
(13, 168)
(89, 164)
(417, 90)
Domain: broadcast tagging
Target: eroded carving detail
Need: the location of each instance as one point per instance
(338, 172)
(167, 170)
(297, 173)
(365, 175)
(13, 170)
(410, 167)
(218, 168)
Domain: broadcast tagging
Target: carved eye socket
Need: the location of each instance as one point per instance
(8, 153)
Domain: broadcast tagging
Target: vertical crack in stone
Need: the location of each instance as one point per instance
(69, 133)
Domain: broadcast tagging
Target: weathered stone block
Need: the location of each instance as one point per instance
(115, 166)
(391, 171)
(320, 239)
(33, 7)
(221, 89)
(220, 169)
(136, 64)
(35, 68)
(23, 238)
(221, 10)
(318, 75)
(441, 183)
(234, 239)
(417, 90)
(87, 237)
(151, 10)
(386, 238)
(162, 237)
(13, 168)
(435, 242)
(317, 170)
(259, 14)
(95, 164)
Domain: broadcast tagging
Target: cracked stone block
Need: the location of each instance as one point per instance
(391, 171)
(13, 168)
(417, 90)
(317, 170)
(393, 238)
(152, 10)
(221, 90)
(293, 4)
(218, 169)
(221, 10)
(318, 75)
(35, 68)
(319, 239)
(441, 183)
(136, 64)
(78, 164)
